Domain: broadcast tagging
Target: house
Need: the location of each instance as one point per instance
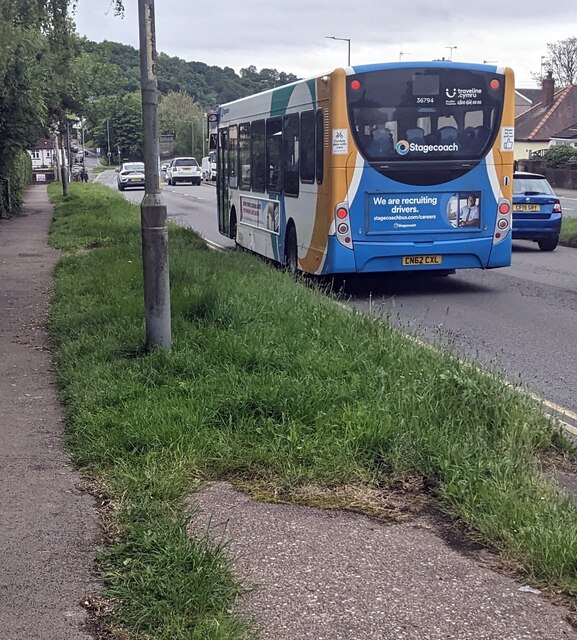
(44, 160)
(525, 99)
(536, 128)
(567, 137)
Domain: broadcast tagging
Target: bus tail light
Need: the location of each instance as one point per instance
(342, 225)
(503, 222)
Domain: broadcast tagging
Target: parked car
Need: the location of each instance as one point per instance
(183, 170)
(130, 174)
(536, 210)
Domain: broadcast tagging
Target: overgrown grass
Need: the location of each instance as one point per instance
(269, 381)
(568, 229)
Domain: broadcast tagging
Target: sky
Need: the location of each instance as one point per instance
(292, 36)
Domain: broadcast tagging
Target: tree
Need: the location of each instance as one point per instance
(562, 61)
(34, 54)
(117, 119)
(181, 115)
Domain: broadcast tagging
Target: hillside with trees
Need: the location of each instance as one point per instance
(187, 91)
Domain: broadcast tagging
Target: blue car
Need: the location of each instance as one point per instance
(536, 210)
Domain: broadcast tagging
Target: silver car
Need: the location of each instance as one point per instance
(130, 174)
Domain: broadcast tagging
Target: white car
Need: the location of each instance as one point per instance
(130, 174)
(183, 170)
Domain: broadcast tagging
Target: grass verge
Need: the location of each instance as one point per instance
(269, 382)
(568, 230)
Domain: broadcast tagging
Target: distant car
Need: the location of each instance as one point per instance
(536, 210)
(209, 166)
(164, 166)
(130, 174)
(185, 169)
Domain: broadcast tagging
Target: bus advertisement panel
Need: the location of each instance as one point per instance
(388, 167)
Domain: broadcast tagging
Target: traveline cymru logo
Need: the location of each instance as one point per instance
(403, 147)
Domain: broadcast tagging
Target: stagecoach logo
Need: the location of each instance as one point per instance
(403, 147)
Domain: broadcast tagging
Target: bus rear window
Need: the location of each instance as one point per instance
(413, 114)
(185, 162)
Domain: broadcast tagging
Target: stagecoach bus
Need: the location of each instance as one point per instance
(385, 167)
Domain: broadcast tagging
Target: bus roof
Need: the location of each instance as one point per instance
(431, 64)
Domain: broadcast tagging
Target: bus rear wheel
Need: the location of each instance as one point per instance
(290, 251)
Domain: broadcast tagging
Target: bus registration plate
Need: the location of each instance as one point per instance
(411, 261)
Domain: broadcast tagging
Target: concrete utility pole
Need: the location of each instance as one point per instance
(152, 210)
(63, 164)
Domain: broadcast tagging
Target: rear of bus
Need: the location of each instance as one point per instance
(421, 167)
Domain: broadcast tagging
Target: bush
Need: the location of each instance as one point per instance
(560, 156)
(12, 186)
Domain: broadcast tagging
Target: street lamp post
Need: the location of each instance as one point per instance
(451, 47)
(203, 134)
(348, 41)
(543, 60)
(109, 152)
(82, 142)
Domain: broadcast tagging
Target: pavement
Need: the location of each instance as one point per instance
(310, 573)
(48, 525)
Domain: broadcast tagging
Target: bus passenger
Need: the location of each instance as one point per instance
(382, 141)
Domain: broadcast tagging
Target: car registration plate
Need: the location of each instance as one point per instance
(526, 207)
(134, 179)
(185, 169)
(410, 261)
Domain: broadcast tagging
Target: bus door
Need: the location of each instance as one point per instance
(222, 189)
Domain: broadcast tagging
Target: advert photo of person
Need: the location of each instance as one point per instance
(469, 214)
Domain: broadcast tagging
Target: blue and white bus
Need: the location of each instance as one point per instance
(384, 167)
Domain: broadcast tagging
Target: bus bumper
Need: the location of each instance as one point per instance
(376, 257)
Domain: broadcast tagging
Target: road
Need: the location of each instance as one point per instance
(188, 205)
(568, 201)
(520, 321)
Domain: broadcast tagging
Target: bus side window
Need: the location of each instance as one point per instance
(244, 167)
(258, 156)
(274, 154)
(290, 170)
(320, 146)
(233, 156)
(307, 141)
